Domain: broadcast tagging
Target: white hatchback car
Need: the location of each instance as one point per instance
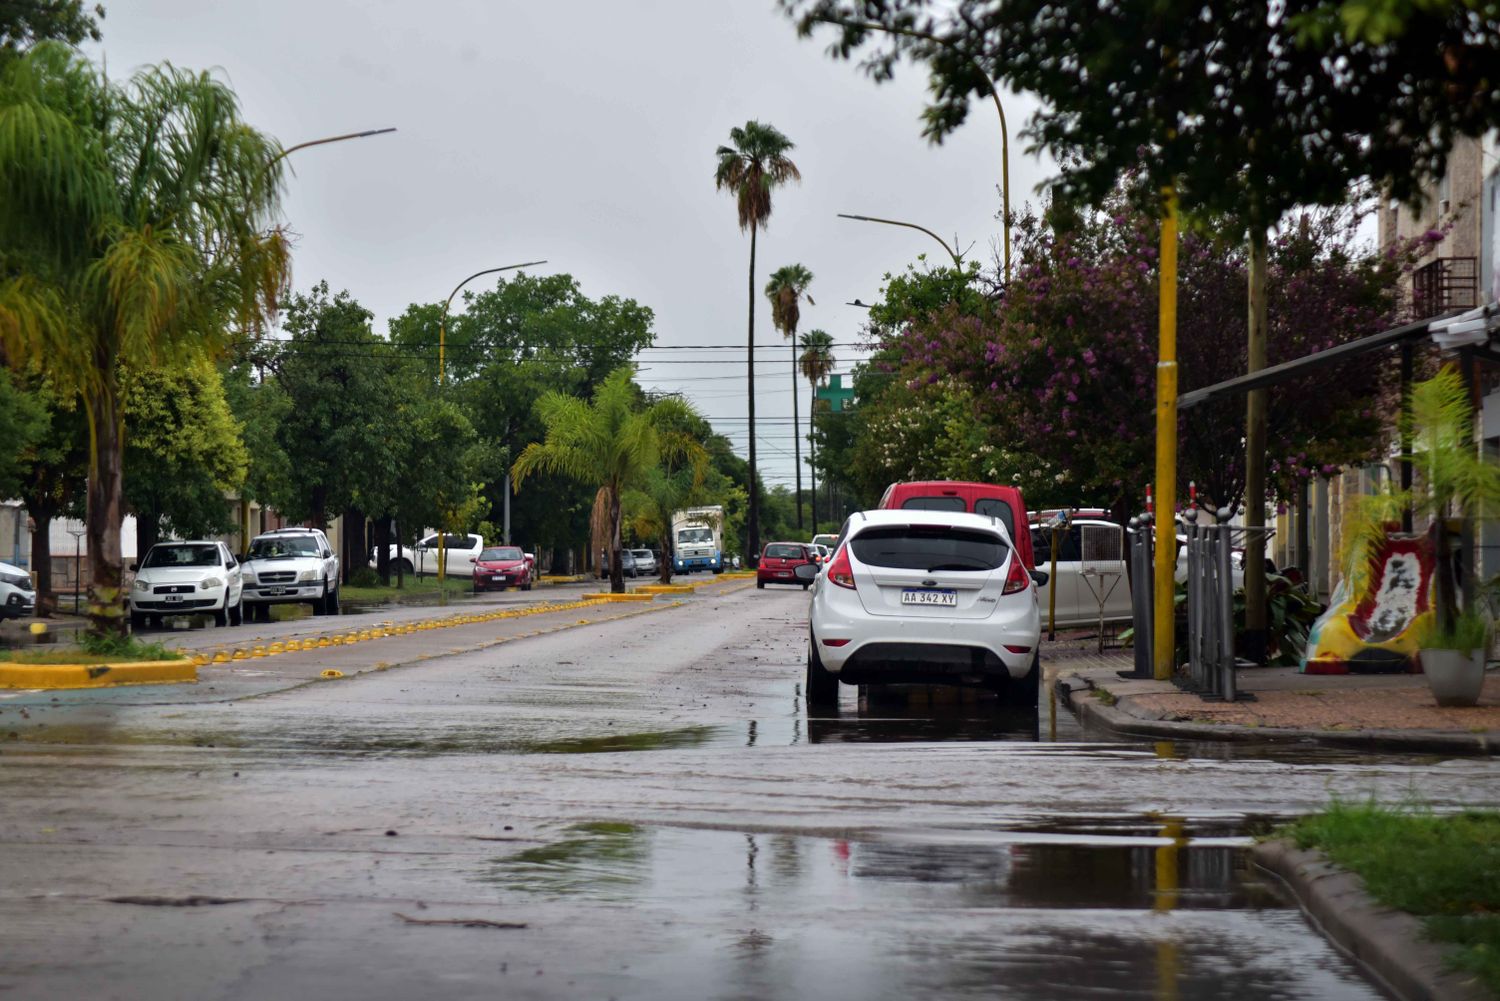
(924, 597)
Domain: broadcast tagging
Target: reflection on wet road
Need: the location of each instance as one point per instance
(650, 798)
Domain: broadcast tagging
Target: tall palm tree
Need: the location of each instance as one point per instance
(786, 290)
(751, 167)
(817, 364)
(135, 221)
(610, 442)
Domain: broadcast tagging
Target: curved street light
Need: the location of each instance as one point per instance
(958, 262)
(994, 95)
(443, 323)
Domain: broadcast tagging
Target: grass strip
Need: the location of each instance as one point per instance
(412, 588)
(93, 651)
(1442, 868)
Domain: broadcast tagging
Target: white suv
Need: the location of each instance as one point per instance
(924, 597)
(17, 599)
(291, 566)
(179, 578)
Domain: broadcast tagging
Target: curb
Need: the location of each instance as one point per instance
(145, 672)
(1118, 718)
(667, 588)
(1386, 942)
(627, 596)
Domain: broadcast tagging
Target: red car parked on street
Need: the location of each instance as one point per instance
(779, 562)
(499, 567)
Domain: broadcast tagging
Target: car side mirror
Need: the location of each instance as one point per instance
(473, 559)
(805, 571)
(1041, 577)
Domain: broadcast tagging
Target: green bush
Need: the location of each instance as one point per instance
(363, 577)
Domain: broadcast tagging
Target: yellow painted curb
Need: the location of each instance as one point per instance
(667, 588)
(627, 596)
(146, 672)
(548, 578)
(736, 574)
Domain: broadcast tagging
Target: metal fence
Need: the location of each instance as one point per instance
(1142, 538)
(1210, 608)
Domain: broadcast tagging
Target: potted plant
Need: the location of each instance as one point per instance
(1454, 479)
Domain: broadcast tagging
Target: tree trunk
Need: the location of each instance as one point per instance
(41, 562)
(351, 546)
(667, 555)
(796, 434)
(812, 450)
(383, 550)
(105, 511)
(616, 571)
(1255, 458)
(752, 516)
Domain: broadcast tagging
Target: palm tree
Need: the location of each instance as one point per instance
(751, 168)
(786, 289)
(135, 225)
(817, 364)
(612, 443)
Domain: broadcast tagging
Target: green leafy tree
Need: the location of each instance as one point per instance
(23, 23)
(184, 452)
(527, 336)
(23, 422)
(135, 221)
(786, 290)
(50, 466)
(610, 443)
(753, 166)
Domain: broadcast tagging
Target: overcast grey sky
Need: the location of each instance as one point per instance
(583, 133)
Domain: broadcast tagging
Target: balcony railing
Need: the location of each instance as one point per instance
(1445, 284)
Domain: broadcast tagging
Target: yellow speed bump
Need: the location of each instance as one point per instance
(146, 672)
(331, 673)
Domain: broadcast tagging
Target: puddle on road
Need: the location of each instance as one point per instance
(728, 914)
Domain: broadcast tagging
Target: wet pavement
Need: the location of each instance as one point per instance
(643, 808)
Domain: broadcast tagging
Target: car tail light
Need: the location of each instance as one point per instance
(835, 642)
(1018, 579)
(1017, 649)
(840, 572)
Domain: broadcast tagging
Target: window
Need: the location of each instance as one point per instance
(182, 556)
(1069, 548)
(785, 552)
(501, 553)
(923, 547)
(270, 547)
(695, 537)
(933, 504)
(995, 508)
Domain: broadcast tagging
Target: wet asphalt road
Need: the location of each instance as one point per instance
(648, 797)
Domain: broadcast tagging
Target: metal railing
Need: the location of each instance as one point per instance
(1445, 284)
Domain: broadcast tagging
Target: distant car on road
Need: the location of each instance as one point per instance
(779, 562)
(645, 562)
(499, 567)
(184, 578)
(925, 597)
(461, 553)
(628, 566)
(17, 598)
(1090, 565)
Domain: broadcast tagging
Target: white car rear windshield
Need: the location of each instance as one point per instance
(929, 548)
(182, 556)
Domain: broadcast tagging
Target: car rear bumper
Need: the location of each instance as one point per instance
(899, 650)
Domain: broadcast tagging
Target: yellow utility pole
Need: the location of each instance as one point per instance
(1163, 654)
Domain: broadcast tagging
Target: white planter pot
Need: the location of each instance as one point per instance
(1455, 676)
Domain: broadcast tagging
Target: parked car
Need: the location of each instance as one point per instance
(291, 566)
(1005, 503)
(462, 552)
(645, 562)
(17, 597)
(499, 567)
(187, 577)
(628, 566)
(1091, 554)
(779, 561)
(932, 598)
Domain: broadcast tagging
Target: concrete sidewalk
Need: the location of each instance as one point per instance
(1393, 711)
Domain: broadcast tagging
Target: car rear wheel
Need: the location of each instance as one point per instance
(404, 565)
(1026, 692)
(237, 613)
(760, 584)
(330, 600)
(822, 685)
(221, 616)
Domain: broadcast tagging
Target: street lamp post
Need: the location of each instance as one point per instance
(958, 260)
(77, 534)
(442, 342)
(245, 501)
(994, 95)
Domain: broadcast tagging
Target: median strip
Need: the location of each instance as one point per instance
(145, 672)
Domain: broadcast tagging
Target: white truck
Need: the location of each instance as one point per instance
(698, 539)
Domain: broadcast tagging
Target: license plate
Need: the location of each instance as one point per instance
(172, 598)
(276, 590)
(783, 573)
(929, 597)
